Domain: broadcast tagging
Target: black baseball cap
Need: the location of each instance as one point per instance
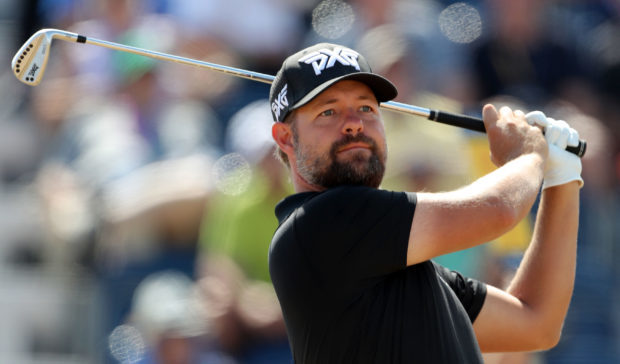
(310, 71)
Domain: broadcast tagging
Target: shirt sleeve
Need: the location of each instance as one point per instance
(357, 232)
(470, 292)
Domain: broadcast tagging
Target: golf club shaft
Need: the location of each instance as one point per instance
(463, 121)
(254, 76)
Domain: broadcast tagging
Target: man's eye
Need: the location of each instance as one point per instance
(366, 108)
(329, 112)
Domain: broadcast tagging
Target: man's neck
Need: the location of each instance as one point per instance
(301, 185)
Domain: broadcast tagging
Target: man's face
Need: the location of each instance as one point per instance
(339, 137)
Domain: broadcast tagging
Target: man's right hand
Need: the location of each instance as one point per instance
(510, 135)
(562, 167)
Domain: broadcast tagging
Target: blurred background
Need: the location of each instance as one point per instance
(137, 196)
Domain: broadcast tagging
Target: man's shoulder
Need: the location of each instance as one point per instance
(332, 198)
(342, 201)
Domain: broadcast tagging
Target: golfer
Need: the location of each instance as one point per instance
(351, 263)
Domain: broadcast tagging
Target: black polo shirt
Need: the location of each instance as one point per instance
(338, 265)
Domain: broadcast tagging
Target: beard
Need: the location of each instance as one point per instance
(327, 171)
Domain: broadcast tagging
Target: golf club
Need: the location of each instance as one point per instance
(30, 61)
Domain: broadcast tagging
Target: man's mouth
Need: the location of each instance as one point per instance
(353, 146)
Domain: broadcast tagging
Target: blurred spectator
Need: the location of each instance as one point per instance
(245, 314)
(590, 331)
(250, 136)
(95, 68)
(104, 138)
(602, 40)
(165, 324)
(240, 228)
(150, 223)
(263, 32)
(257, 38)
(520, 57)
(438, 63)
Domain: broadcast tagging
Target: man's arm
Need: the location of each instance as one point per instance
(492, 205)
(530, 314)
(478, 213)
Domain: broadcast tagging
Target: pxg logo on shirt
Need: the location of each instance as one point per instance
(327, 58)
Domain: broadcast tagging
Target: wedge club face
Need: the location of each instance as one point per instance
(30, 61)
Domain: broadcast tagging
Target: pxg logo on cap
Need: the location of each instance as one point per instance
(307, 73)
(327, 58)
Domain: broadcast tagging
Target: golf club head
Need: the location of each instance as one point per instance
(30, 61)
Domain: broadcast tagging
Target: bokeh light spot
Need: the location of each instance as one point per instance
(332, 19)
(460, 23)
(126, 344)
(232, 174)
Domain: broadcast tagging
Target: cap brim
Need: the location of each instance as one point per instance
(383, 89)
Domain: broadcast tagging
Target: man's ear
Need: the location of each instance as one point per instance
(283, 136)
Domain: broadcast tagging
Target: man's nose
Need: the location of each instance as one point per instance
(353, 124)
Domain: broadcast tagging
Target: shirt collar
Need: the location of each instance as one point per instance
(285, 207)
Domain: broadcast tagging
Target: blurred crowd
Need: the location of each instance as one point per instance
(137, 196)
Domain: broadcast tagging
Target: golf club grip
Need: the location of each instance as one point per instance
(476, 124)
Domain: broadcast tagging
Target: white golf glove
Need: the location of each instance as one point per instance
(562, 166)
